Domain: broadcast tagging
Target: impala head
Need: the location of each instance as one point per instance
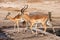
(7, 15)
(23, 9)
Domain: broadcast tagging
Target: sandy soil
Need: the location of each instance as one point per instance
(29, 36)
(46, 6)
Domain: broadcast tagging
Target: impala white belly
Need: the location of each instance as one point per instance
(38, 21)
(21, 20)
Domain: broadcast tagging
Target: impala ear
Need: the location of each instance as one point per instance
(7, 15)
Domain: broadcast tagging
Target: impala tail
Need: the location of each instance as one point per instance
(49, 23)
(49, 19)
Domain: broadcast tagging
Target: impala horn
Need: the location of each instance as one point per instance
(24, 8)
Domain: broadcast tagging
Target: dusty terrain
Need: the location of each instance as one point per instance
(29, 36)
(15, 7)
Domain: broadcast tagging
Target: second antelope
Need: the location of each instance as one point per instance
(42, 18)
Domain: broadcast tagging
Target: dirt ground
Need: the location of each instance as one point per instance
(14, 8)
(29, 36)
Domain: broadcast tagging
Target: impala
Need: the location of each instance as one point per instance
(15, 19)
(42, 18)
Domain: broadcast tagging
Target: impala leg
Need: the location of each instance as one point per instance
(24, 30)
(14, 27)
(45, 27)
(36, 30)
(18, 26)
(52, 27)
(26, 27)
(31, 28)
